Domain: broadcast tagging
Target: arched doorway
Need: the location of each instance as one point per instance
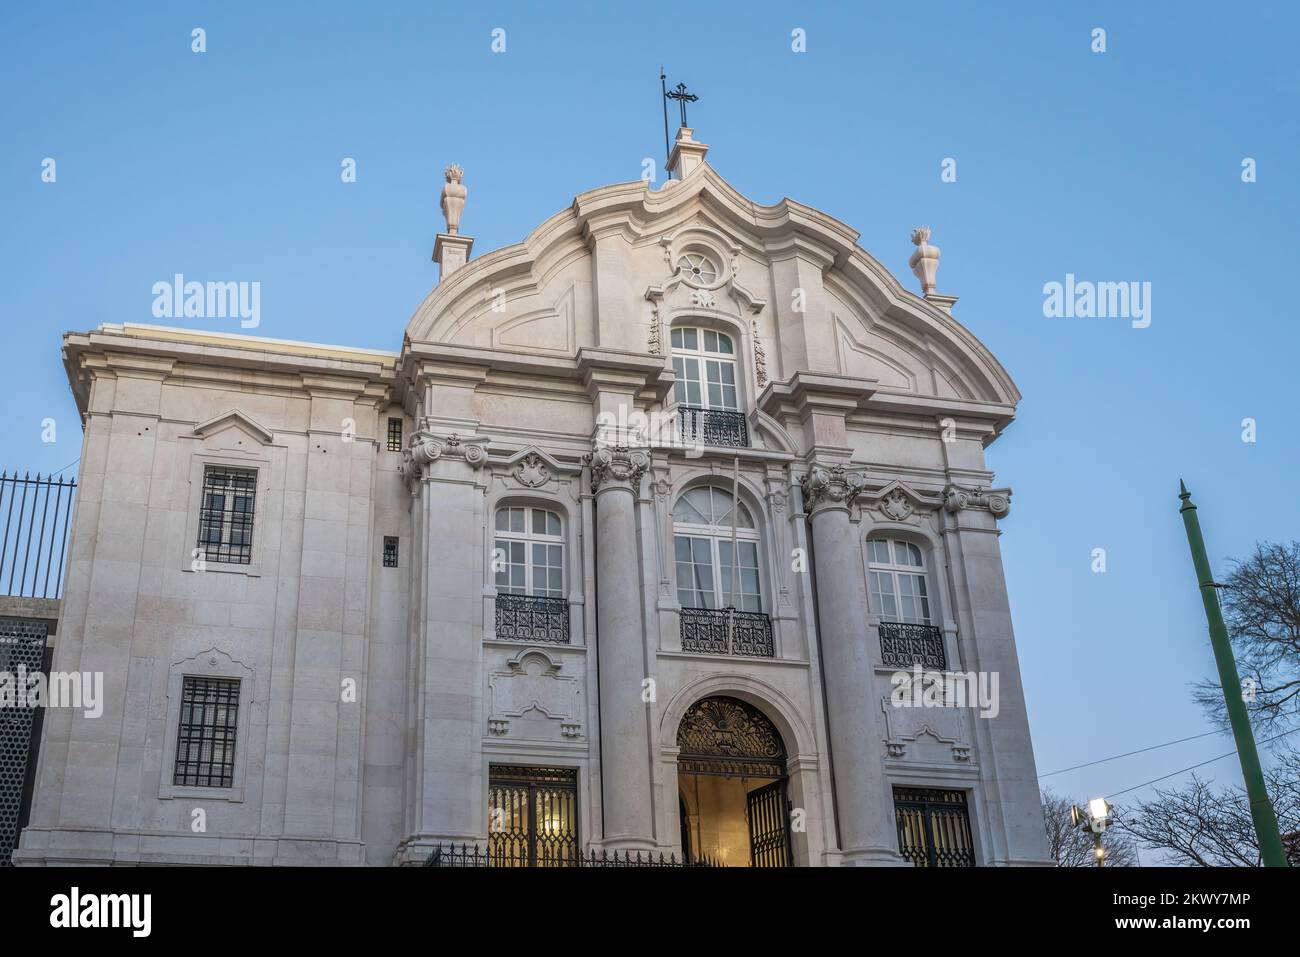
(731, 777)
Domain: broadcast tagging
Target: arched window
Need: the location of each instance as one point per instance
(702, 537)
(704, 362)
(896, 570)
(529, 553)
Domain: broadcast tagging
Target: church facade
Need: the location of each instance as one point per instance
(658, 535)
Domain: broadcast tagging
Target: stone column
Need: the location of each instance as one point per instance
(620, 641)
(863, 797)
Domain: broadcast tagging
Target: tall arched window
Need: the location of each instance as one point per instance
(704, 362)
(529, 553)
(897, 578)
(702, 541)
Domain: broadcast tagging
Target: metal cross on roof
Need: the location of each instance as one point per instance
(679, 94)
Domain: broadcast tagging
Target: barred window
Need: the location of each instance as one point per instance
(226, 517)
(394, 435)
(390, 551)
(205, 741)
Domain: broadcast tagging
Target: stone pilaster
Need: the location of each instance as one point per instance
(616, 474)
(864, 800)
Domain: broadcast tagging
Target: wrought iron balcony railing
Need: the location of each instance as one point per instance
(904, 644)
(532, 618)
(725, 631)
(712, 426)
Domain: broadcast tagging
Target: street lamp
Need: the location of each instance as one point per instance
(1096, 817)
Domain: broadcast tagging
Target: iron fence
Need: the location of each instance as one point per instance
(472, 855)
(36, 513)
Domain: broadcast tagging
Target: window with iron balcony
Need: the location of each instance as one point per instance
(897, 580)
(707, 399)
(528, 558)
(718, 579)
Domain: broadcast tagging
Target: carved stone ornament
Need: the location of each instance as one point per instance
(453, 197)
(996, 501)
(425, 450)
(896, 505)
(617, 464)
(532, 471)
(760, 357)
(834, 486)
(702, 299)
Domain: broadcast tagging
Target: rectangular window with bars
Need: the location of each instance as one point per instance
(390, 551)
(205, 740)
(394, 435)
(226, 515)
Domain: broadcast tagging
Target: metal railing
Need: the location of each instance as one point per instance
(725, 631)
(725, 427)
(532, 618)
(904, 644)
(472, 855)
(35, 513)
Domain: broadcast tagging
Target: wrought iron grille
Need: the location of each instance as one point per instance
(731, 738)
(36, 513)
(390, 551)
(226, 518)
(394, 435)
(712, 426)
(205, 741)
(532, 618)
(22, 646)
(933, 827)
(904, 644)
(471, 855)
(725, 631)
(532, 816)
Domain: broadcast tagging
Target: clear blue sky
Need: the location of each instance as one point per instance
(1116, 166)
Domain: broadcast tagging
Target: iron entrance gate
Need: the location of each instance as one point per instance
(933, 827)
(769, 826)
(532, 816)
(22, 650)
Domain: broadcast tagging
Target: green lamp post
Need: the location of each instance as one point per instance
(1261, 809)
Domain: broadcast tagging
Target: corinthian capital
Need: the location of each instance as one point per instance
(617, 465)
(830, 487)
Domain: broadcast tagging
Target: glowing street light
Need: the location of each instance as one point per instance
(1096, 817)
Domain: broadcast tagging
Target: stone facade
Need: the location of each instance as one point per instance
(524, 380)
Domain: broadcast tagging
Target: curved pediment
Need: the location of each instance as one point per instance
(605, 272)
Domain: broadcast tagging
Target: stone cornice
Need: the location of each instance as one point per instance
(807, 392)
(166, 353)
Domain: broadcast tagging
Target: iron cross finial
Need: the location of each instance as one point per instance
(679, 94)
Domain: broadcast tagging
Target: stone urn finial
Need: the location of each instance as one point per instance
(453, 197)
(925, 261)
